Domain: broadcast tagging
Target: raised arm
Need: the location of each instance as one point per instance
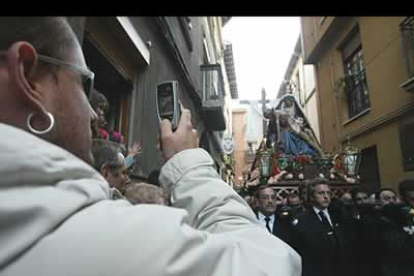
(213, 207)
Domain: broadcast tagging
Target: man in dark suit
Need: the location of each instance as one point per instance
(277, 222)
(323, 236)
(396, 234)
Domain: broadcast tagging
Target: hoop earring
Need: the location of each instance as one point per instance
(41, 132)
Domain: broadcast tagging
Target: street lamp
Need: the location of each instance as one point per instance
(352, 159)
(264, 156)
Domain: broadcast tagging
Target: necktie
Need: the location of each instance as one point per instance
(267, 219)
(325, 221)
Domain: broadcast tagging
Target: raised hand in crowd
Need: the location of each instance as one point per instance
(134, 150)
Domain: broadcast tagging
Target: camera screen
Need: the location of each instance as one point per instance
(166, 101)
(166, 106)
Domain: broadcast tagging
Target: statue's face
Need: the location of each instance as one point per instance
(288, 102)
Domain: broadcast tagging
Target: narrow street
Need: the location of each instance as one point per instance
(210, 145)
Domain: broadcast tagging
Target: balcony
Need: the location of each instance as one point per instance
(213, 97)
(357, 94)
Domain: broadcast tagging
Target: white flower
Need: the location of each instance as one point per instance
(321, 175)
(301, 176)
(279, 175)
(289, 176)
(332, 176)
(350, 180)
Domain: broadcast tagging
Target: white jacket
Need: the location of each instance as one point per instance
(56, 219)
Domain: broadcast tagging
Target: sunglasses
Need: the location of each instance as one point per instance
(87, 75)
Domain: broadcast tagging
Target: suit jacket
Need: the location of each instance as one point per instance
(282, 225)
(324, 252)
(396, 252)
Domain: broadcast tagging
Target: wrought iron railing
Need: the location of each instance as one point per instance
(283, 190)
(357, 93)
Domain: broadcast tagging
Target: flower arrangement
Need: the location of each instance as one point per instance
(276, 167)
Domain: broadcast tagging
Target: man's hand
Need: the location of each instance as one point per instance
(185, 137)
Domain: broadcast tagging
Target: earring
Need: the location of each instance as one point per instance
(40, 132)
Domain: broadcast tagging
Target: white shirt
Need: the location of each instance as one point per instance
(263, 221)
(325, 211)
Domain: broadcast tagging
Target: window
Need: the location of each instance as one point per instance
(206, 54)
(407, 145)
(111, 83)
(354, 68)
(250, 145)
(250, 152)
(407, 35)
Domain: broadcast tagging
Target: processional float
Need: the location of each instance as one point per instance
(290, 153)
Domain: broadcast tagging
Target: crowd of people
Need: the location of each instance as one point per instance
(62, 210)
(115, 162)
(353, 234)
(69, 207)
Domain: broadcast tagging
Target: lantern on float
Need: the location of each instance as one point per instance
(265, 163)
(351, 159)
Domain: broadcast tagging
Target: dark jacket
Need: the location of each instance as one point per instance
(367, 245)
(325, 252)
(396, 245)
(282, 226)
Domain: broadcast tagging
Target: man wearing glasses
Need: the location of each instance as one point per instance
(323, 236)
(56, 216)
(54, 90)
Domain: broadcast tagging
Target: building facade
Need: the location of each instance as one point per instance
(239, 155)
(364, 82)
(131, 55)
(248, 121)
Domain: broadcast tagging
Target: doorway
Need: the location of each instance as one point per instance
(369, 169)
(110, 82)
